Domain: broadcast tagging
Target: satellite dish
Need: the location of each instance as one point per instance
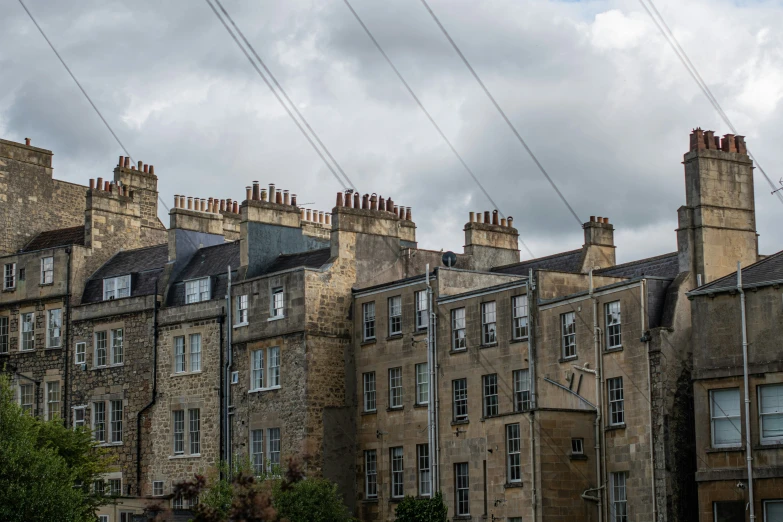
(449, 259)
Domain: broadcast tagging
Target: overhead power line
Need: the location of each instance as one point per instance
(279, 99)
(502, 113)
(428, 115)
(668, 35)
(280, 87)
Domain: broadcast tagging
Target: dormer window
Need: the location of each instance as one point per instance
(197, 290)
(116, 287)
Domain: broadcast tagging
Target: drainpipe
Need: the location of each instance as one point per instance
(154, 387)
(531, 358)
(748, 456)
(431, 398)
(598, 398)
(227, 376)
(642, 299)
(67, 327)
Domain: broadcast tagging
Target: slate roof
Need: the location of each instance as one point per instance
(310, 259)
(563, 262)
(56, 238)
(762, 273)
(666, 265)
(144, 264)
(210, 261)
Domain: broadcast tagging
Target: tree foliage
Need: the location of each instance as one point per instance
(311, 500)
(411, 509)
(46, 469)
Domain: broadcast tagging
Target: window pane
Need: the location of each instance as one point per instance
(195, 352)
(619, 500)
(179, 354)
(568, 332)
(116, 346)
(273, 436)
(421, 309)
(616, 401)
(179, 432)
(725, 413)
(771, 408)
(514, 457)
(460, 388)
(99, 421)
(257, 451)
(613, 334)
(521, 390)
(274, 366)
(458, 339)
(278, 303)
(395, 388)
(488, 323)
(4, 335)
(52, 400)
(462, 483)
(369, 391)
(422, 384)
(371, 473)
(423, 463)
(257, 372)
(28, 331)
(80, 355)
(395, 315)
(730, 511)
(773, 511)
(397, 488)
(100, 349)
(53, 326)
(490, 395)
(195, 431)
(519, 313)
(368, 310)
(116, 421)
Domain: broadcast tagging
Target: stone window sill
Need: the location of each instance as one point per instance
(276, 318)
(373, 500)
(9, 290)
(510, 485)
(461, 350)
(462, 517)
(108, 444)
(193, 456)
(260, 390)
(46, 284)
(578, 456)
(396, 408)
(394, 336)
(489, 345)
(395, 500)
(420, 331)
(458, 422)
(108, 366)
(371, 412)
(240, 325)
(182, 374)
(614, 349)
(520, 340)
(615, 427)
(27, 351)
(54, 347)
(768, 446)
(725, 450)
(568, 359)
(367, 342)
(423, 405)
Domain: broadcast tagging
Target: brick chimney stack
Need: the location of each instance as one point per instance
(599, 249)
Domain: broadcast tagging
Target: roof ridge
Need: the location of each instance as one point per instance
(734, 273)
(225, 243)
(628, 263)
(567, 252)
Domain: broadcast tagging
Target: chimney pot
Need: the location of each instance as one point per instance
(27, 141)
(190, 203)
(472, 217)
(122, 161)
(502, 222)
(256, 194)
(742, 148)
(309, 215)
(111, 186)
(278, 198)
(374, 202)
(381, 203)
(328, 219)
(146, 168)
(302, 214)
(286, 198)
(600, 219)
(366, 202)
(236, 208)
(592, 219)
(92, 183)
(495, 217)
(181, 201)
(248, 193)
(408, 213)
(356, 197)
(126, 163)
(339, 202)
(176, 200)
(606, 221)
(510, 221)
(349, 200)
(321, 216)
(486, 217)
(293, 200)
(152, 169)
(222, 205)
(210, 206)
(389, 204)
(263, 194)
(271, 192)
(133, 167)
(140, 164)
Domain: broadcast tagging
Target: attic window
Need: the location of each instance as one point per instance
(116, 287)
(197, 290)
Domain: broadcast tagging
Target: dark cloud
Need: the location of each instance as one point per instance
(592, 87)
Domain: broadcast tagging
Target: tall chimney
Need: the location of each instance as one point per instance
(256, 194)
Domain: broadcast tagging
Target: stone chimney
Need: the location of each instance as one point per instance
(191, 228)
(717, 224)
(599, 249)
(141, 184)
(491, 241)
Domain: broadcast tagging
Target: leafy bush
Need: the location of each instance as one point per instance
(411, 509)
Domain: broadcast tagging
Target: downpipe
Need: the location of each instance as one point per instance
(748, 454)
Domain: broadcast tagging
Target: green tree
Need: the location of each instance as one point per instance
(45, 468)
(311, 500)
(411, 509)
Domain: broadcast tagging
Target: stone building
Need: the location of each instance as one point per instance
(563, 388)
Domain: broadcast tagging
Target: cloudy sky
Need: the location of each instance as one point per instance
(592, 86)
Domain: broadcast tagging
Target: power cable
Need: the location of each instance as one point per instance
(428, 115)
(293, 105)
(290, 114)
(502, 113)
(686, 62)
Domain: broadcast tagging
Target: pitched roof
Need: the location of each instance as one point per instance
(666, 265)
(145, 264)
(211, 260)
(563, 262)
(310, 259)
(762, 273)
(56, 238)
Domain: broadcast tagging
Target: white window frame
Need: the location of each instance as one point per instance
(53, 341)
(194, 431)
(616, 395)
(178, 433)
(776, 412)
(489, 323)
(103, 518)
(462, 489)
(277, 303)
(368, 321)
(115, 421)
(80, 353)
(27, 342)
(395, 315)
(273, 447)
(522, 390)
(9, 276)
(422, 383)
(770, 502)
(5, 340)
(369, 392)
(257, 451)
(99, 434)
(619, 496)
(513, 453)
(395, 388)
(180, 359)
(76, 422)
(519, 315)
(241, 309)
(116, 287)
(194, 352)
(116, 338)
(397, 471)
(423, 469)
(568, 335)
(198, 290)
(613, 329)
(459, 340)
(717, 413)
(577, 446)
(47, 270)
(490, 399)
(459, 400)
(157, 488)
(265, 366)
(100, 361)
(115, 490)
(422, 314)
(371, 473)
(50, 410)
(30, 406)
